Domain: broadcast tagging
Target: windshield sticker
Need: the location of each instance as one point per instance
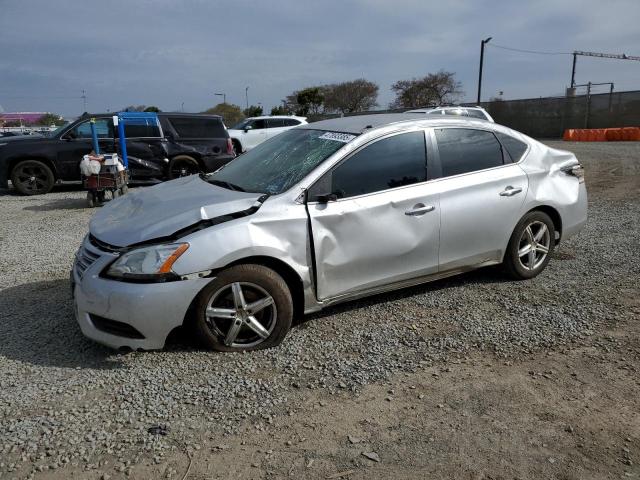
(338, 137)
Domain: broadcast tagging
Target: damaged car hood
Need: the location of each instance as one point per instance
(164, 209)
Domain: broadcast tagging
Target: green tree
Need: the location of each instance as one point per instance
(49, 119)
(230, 113)
(279, 110)
(433, 89)
(253, 111)
(134, 108)
(309, 100)
(347, 97)
(152, 108)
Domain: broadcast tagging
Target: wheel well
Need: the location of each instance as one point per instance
(237, 142)
(288, 274)
(555, 218)
(193, 156)
(13, 162)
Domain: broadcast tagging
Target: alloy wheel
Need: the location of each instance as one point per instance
(243, 314)
(184, 168)
(534, 245)
(32, 178)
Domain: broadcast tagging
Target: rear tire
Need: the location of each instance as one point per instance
(183, 165)
(32, 177)
(237, 148)
(530, 246)
(222, 323)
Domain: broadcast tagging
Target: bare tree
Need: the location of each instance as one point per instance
(348, 97)
(433, 89)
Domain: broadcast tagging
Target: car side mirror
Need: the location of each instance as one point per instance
(247, 128)
(169, 136)
(70, 136)
(326, 197)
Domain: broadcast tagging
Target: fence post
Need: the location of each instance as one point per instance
(588, 109)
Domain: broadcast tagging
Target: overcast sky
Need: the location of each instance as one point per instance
(167, 53)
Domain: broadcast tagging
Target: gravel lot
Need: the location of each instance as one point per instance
(69, 406)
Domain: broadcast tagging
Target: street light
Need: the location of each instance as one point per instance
(224, 97)
(482, 44)
(246, 96)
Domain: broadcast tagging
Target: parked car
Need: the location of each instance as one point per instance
(473, 112)
(255, 130)
(324, 213)
(183, 144)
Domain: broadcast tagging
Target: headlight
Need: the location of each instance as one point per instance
(147, 263)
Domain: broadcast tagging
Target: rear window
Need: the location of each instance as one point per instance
(190, 127)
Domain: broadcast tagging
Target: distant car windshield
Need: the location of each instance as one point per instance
(279, 163)
(241, 125)
(463, 112)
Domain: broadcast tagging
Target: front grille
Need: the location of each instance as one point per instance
(84, 259)
(114, 327)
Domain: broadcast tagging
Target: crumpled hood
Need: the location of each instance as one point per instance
(162, 210)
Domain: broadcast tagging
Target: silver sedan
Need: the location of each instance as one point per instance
(321, 214)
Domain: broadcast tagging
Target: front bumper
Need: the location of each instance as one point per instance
(152, 309)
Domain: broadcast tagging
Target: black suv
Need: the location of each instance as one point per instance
(183, 144)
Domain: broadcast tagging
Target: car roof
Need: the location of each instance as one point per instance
(261, 117)
(160, 114)
(358, 123)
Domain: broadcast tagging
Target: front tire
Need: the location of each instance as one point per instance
(530, 246)
(32, 177)
(246, 307)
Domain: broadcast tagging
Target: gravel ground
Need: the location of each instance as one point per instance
(69, 404)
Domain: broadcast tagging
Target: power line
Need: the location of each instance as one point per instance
(537, 52)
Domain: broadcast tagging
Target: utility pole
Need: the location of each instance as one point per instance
(482, 44)
(616, 56)
(84, 101)
(246, 96)
(224, 97)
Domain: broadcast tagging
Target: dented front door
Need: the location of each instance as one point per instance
(372, 240)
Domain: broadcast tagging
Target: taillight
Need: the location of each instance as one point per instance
(575, 170)
(229, 147)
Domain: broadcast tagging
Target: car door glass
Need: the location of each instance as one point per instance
(464, 150)
(258, 124)
(289, 122)
(388, 163)
(515, 148)
(275, 123)
(83, 130)
(142, 129)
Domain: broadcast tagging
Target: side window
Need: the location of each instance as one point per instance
(290, 122)
(275, 123)
(387, 163)
(103, 129)
(142, 129)
(258, 124)
(515, 148)
(464, 150)
(193, 127)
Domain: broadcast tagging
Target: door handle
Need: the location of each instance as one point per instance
(510, 191)
(419, 209)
